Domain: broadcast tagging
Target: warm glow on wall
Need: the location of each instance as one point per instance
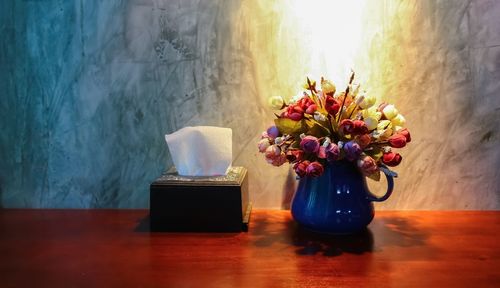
(330, 33)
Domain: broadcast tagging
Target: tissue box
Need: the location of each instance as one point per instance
(200, 204)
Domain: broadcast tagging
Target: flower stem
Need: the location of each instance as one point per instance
(345, 96)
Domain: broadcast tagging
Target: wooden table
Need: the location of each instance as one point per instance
(110, 248)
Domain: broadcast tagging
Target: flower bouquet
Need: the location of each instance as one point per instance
(323, 125)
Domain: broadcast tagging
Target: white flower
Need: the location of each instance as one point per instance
(276, 102)
(327, 142)
(319, 117)
(371, 123)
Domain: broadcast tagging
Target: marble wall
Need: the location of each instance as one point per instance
(89, 88)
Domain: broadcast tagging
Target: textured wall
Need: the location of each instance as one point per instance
(89, 88)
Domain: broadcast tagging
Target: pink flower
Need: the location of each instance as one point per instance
(314, 169)
(263, 145)
(332, 152)
(272, 152)
(397, 141)
(367, 165)
(300, 168)
(310, 144)
(321, 152)
(391, 159)
(274, 155)
(280, 160)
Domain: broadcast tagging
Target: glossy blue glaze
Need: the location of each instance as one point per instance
(338, 201)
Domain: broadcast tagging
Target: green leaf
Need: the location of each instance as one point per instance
(316, 129)
(376, 153)
(290, 127)
(375, 176)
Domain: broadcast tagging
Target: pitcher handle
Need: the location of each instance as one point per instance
(390, 185)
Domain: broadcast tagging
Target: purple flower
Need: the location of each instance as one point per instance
(332, 152)
(273, 132)
(352, 150)
(310, 144)
(314, 169)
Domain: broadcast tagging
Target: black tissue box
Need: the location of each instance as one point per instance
(200, 204)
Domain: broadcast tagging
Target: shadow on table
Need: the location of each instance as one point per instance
(382, 233)
(311, 243)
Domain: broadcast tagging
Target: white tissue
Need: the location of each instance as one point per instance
(201, 150)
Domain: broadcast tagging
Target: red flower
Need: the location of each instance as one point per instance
(346, 126)
(364, 140)
(397, 141)
(294, 155)
(405, 132)
(359, 127)
(300, 168)
(294, 112)
(332, 106)
(311, 109)
(391, 159)
(314, 169)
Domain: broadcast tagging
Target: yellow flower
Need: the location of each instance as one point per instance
(372, 113)
(384, 124)
(327, 87)
(390, 111)
(399, 120)
(367, 102)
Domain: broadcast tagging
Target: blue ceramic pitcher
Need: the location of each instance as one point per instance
(338, 201)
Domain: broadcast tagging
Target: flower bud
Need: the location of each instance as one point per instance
(310, 144)
(314, 169)
(276, 102)
(399, 120)
(367, 102)
(352, 150)
(397, 141)
(272, 152)
(263, 145)
(405, 132)
(371, 123)
(294, 155)
(332, 152)
(390, 111)
(273, 132)
(391, 159)
(367, 165)
(319, 117)
(300, 168)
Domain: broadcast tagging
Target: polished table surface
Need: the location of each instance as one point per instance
(113, 248)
